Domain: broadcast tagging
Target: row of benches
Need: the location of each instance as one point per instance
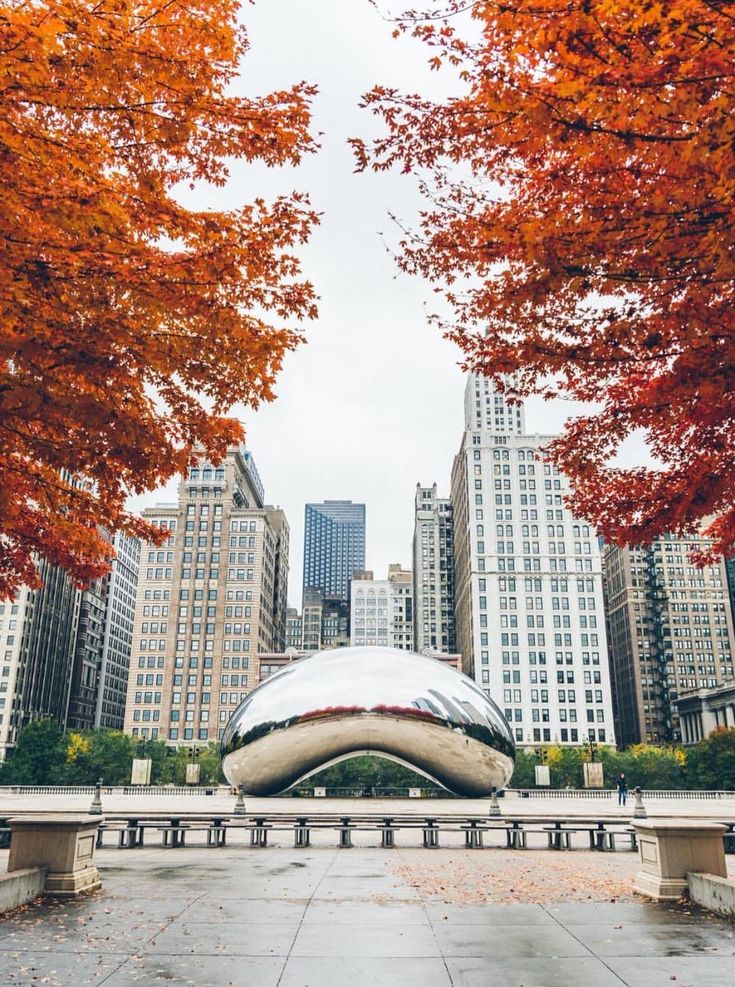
(131, 832)
(602, 835)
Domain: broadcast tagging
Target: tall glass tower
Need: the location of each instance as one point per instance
(334, 546)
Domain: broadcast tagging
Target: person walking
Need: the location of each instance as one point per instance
(622, 789)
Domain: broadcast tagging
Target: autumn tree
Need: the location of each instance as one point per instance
(580, 209)
(130, 323)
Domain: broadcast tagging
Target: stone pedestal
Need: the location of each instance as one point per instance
(668, 848)
(64, 844)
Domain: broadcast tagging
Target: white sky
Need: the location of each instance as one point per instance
(373, 402)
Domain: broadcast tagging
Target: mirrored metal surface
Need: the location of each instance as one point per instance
(337, 704)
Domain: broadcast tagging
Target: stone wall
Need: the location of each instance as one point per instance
(20, 887)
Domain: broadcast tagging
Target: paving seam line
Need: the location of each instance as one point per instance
(584, 945)
(431, 924)
(174, 918)
(318, 884)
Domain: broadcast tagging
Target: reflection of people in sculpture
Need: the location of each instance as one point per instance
(622, 789)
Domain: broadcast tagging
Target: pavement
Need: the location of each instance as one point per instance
(322, 917)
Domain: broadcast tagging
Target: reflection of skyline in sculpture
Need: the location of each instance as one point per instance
(396, 704)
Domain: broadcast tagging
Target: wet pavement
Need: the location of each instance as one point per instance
(280, 917)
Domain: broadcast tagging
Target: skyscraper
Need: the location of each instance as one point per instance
(118, 637)
(102, 641)
(65, 651)
(88, 643)
(433, 572)
(334, 546)
(38, 653)
(528, 581)
(670, 631)
(211, 598)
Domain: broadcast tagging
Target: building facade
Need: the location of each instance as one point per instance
(117, 642)
(528, 581)
(102, 642)
(704, 710)
(88, 637)
(38, 653)
(433, 572)
(271, 663)
(12, 619)
(211, 598)
(66, 652)
(730, 573)
(334, 547)
(335, 624)
(294, 629)
(382, 610)
(325, 622)
(670, 631)
(311, 634)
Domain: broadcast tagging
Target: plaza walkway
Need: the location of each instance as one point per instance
(280, 917)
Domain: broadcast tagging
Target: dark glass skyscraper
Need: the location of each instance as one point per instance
(334, 546)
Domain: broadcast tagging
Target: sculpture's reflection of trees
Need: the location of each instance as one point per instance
(369, 771)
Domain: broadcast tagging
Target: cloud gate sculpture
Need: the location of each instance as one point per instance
(396, 704)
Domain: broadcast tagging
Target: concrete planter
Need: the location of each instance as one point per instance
(670, 848)
(63, 844)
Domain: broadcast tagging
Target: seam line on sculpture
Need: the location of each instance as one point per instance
(308, 905)
(585, 946)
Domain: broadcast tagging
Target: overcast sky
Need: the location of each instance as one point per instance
(372, 403)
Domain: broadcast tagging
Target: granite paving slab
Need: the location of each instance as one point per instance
(674, 971)
(587, 971)
(671, 939)
(367, 972)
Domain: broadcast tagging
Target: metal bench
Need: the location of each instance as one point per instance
(559, 838)
(474, 830)
(174, 835)
(626, 834)
(129, 834)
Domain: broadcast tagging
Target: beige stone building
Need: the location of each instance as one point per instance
(670, 631)
(211, 598)
(704, 710)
